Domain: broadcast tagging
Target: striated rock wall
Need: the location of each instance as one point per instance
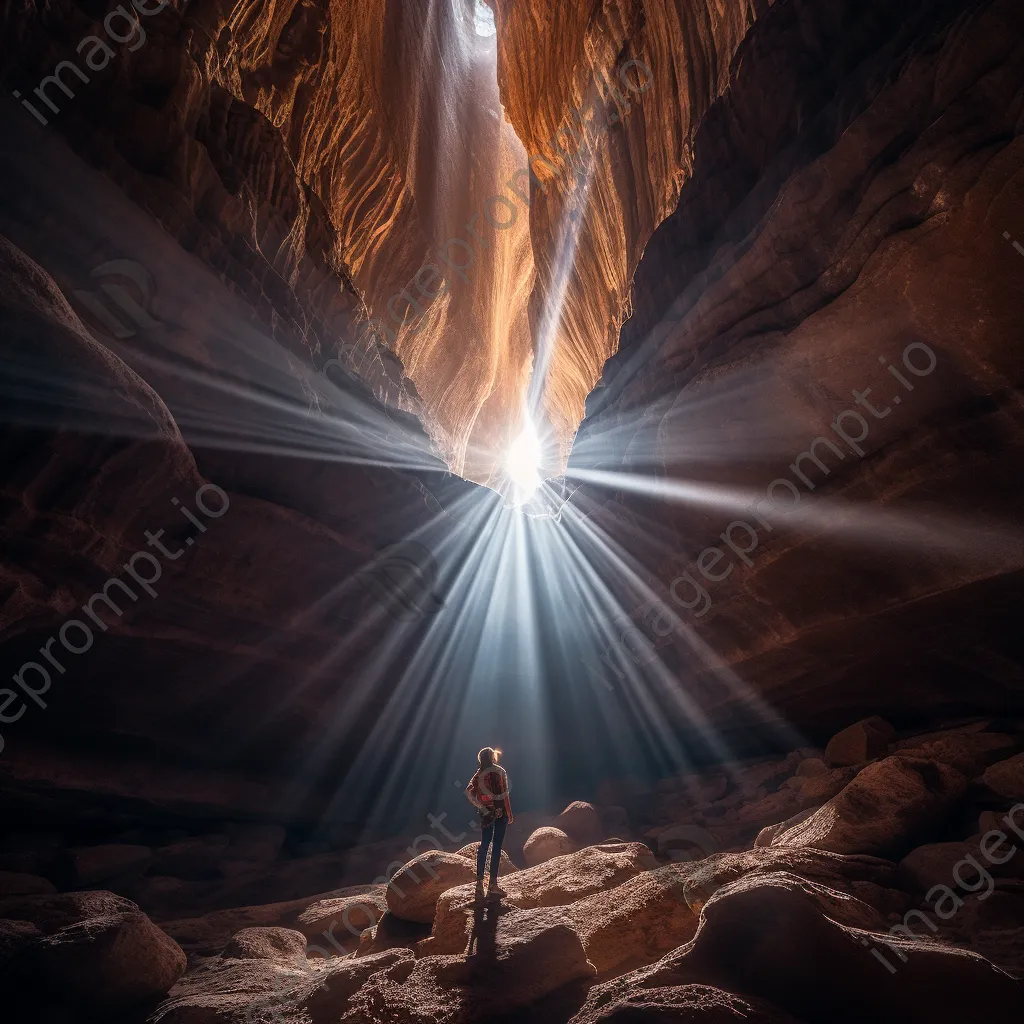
(318, 155)
(848, 212)
(558, 64)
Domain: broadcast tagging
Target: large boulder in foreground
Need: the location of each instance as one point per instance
(517, 957)
(546, 843)
(699, 1004)
(884, 810)
(766, 939)
(573, 876)
(556, 882)
(855, 890)
(241, 991)
(413, 890)
(636, 922)
(93, 950)
(581, 822)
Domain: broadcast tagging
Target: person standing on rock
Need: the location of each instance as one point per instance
(488, 792)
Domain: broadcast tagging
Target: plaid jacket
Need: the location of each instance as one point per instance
(488, 791)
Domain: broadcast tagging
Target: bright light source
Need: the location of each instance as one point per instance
(484, 18)
(523, 462)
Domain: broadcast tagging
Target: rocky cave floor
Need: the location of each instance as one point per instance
(876, 880)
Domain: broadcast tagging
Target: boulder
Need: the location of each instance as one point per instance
(686, 842)
(581, 822)
(811, 767)
(1001, 911)
(769, 832)
(391, 932)
(51, 913)
(636, 922)
(93, 864)
(770, 807)
(209, 933)
(413, 890)
(573, 876)
(884, 810)
(237, 991)
(858, 891)
(95, 950)
(266, 944)
(813, 790)
(516, 958)
(766, 774)
(616, 822)
(555, 882)
(14, 937)
(524, 825)
(969, 752)
(546, 843)
(696, 1004)
(335, 922)
(820, 971)
(957, 865)
(989, 820)
(863, 741)
(1006, 778)
(331, 991)
(14, 883)
(505, 865)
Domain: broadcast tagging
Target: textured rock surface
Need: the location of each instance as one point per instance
(843, 174)
(545, 843)
(698, 1003)
(860, 742)
(1007, 778)
(849, 197)
(266, 944)
(414, 890)
(230, 607)
(556, 882)
(93, 950)
(837, 185)
(238, 990)
(581, 822)
(818, 973)
(883, 810)
(319, 134)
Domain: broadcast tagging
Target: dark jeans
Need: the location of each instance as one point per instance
(497, 830)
